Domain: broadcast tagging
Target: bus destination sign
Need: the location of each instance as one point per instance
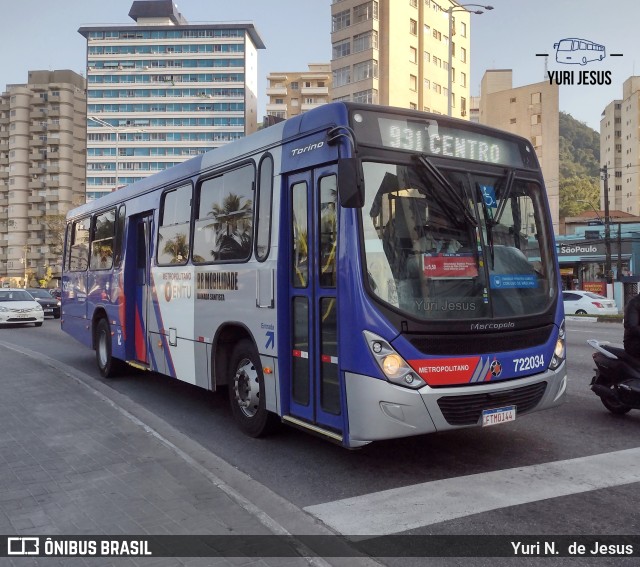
(427, 136)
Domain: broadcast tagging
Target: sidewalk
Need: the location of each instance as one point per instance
(76, 458)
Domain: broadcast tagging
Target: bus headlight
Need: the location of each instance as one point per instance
(560, 352)
(393, 366)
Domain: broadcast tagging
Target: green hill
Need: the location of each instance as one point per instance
(579, 166)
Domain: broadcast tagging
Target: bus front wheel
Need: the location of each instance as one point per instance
(247, 393)
(107, 365)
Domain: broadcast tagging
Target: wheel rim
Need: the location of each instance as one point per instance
(246, 387)
(102, 348)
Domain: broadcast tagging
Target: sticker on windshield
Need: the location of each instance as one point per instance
(489, 196)
(513, 281)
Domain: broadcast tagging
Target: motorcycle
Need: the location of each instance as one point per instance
(617, 379)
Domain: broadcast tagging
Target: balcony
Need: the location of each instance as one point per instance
(322, 91)
(38, 127)
(34, 241)
(35, 226)
(276, 107)
(277, 91)
(38, 170)
(308, 106)
(34, 255)
(35, 213)
(36, 184)
(35, 199)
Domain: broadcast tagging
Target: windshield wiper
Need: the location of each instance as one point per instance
(505, 195)
(450, 191)
(489, 222)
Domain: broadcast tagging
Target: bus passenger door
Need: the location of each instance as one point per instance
(139, 312)
(315, 390)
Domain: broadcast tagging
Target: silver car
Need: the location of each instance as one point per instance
(17, 306)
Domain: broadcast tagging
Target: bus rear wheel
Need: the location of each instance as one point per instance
(247, 392)
(107, 365)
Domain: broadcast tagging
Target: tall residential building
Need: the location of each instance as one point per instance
(163, 90)
(531, 111)
(396, 53)
(292, 93)
(42, 141)
(620, 149)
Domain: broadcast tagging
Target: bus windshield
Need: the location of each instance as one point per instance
(443, 244)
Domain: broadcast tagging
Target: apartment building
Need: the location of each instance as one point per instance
(531, 111)
(396, 52)
(42, 176)
(620, 149)
(162, 91)
(291, 93)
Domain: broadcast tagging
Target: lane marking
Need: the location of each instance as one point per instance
(401, 509)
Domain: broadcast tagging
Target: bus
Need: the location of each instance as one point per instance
(358, 271)
(578, 51)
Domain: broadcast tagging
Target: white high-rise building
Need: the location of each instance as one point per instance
(163, 90)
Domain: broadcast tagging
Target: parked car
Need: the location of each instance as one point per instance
(50, 304)
(19, 306)
(55, 292)
(587, 303)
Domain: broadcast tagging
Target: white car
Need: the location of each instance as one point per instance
(587, 303)
(18, 306)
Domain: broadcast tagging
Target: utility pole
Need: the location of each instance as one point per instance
(619, 265)
(607, 229)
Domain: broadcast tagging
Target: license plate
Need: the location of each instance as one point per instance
(48, 310)
(22, 316)
(498, 415)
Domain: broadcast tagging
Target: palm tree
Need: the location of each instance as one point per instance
(177, 248)
(232, 223)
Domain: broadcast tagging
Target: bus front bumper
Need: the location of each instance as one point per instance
(381, 410)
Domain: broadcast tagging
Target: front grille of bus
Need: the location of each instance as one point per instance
(481, 343)
(466, 410)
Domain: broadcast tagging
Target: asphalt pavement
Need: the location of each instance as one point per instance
(78, 458)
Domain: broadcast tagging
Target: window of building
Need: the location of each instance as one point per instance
(512, 121)
(463, 55)
(294, 85)
(366, 11)
(427, 57)
(463, 79)
(413, 106)
(413, 55)
(340, 20)
(413, 3)
(413, 82)
(513, 99)
(364, 41)
(342, 76)
(173, 233)
(536, 119)
(437, 35)
(427, 84)
(413, 27)
(365, 70)
(370, 96)
(341, 48)
(224, 227)
(463, 29)
(463, 106)
(536, 98)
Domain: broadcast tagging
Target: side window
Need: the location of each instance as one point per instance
(119, 237)
(101, 257)
(328, 223)
(265, 204)
(224, 225)
(79, 249)
(300, 256)
(173, 232)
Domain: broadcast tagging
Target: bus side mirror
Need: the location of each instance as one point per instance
(350, 183)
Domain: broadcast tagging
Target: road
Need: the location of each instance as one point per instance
(568, 496)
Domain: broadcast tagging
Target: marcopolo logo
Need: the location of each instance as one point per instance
(583, 52)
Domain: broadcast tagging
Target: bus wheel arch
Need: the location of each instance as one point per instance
(237, 359)
(102, 341)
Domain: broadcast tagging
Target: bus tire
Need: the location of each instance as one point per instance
(107, 365)
(246, 392)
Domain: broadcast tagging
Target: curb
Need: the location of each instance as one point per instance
(275, 513)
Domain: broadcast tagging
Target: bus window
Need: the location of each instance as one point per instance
(79, 249)
(173, 233)
(119, 237)
(300, 257)
(101, 257)
(224, 227)
(263, 214)
(328, 223)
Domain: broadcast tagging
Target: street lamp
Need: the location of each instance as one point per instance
(117, 130)
(450, 11)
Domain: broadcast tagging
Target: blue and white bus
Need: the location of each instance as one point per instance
(573, 50)
(357, 271)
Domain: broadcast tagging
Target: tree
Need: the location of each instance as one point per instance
(233, 227)
(178, 248)
(575, 189)
(54, 232)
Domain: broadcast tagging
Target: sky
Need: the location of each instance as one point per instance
(43, 34)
